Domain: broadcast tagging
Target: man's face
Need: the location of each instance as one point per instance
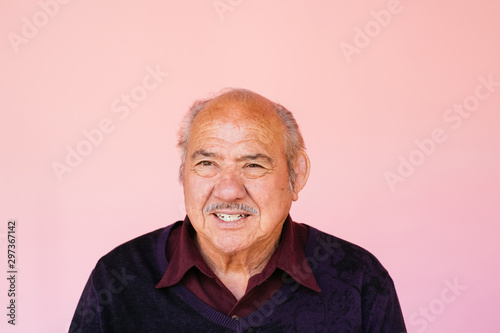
(236, 155)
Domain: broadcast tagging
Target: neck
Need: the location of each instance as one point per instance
(235, 269)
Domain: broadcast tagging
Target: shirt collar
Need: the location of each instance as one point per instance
(184, 257)
(289, 256)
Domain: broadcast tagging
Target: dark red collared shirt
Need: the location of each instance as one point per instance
(186, 266)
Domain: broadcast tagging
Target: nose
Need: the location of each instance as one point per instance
(230, 187)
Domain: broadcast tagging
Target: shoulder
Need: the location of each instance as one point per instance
(145, 253)
(334, 258)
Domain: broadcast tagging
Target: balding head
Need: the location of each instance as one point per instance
(229, 106)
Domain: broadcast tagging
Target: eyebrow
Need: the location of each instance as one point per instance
(203, 153)
(249, 157)
(254, 157)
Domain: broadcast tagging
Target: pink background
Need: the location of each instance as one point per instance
(360, 111)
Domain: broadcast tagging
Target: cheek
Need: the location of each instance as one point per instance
(196, 190)
(270, 194)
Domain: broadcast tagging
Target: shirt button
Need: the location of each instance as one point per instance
(235, 317)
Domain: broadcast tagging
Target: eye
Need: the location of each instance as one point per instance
(254, 170)
(254, 165)
(205, 168)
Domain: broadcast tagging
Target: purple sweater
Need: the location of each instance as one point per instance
(357, 294)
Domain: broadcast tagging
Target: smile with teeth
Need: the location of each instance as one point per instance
(230, 218)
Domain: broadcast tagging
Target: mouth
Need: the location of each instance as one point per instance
(230, 218)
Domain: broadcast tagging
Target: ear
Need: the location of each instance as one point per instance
(302, 168)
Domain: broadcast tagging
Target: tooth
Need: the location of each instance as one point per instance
(230, 218)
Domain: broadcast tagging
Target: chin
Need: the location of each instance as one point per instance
(232, 245)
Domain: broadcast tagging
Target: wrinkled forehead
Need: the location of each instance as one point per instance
(255, 115)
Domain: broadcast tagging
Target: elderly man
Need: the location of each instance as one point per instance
(238, 263)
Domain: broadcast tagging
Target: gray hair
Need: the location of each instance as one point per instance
(292, 137)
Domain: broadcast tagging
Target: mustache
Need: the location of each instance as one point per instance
(231, 206)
